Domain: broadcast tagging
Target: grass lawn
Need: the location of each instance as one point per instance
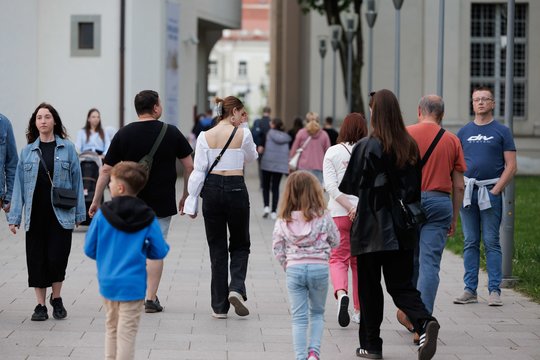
(526, 262)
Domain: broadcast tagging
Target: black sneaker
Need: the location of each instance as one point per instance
(368, 354)
(343, 310)
(428, 340)
(152, 306)
(40, 313)
(59, 311)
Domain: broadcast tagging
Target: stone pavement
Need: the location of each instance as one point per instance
(185, 330)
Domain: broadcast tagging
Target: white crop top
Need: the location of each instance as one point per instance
(232, 159)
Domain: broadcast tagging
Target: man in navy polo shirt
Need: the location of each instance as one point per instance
(490, 154)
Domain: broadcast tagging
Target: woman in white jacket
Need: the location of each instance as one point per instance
(343, 210)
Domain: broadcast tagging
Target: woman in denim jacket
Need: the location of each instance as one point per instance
(48, 228)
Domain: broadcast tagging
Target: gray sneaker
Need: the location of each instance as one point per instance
(495, 299)
(466, 298)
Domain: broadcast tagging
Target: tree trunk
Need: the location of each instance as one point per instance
(333, 9)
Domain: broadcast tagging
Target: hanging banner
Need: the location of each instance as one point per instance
(171, 106)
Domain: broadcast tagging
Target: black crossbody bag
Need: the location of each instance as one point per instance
(407, 216)
(61, 198)
(148, 159)
(218, 158)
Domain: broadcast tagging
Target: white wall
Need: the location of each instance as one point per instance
(18, 63)
(75, 84)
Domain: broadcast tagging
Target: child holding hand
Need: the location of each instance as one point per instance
(303, 236)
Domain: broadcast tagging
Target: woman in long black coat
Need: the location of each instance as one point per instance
(389, 156)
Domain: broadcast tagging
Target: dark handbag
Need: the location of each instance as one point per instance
(61, 198)
(64, 198)
(408, 216)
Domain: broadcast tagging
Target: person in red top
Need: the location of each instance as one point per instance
(442, 194)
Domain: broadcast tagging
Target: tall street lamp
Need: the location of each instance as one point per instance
(351, 23)
(322, 51)
(397, 5)
(507, 234)
(335, 31)
(371, 16)
(440, 56)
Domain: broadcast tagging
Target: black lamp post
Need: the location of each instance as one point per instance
(350, 21)
(322, 51)
(397, 5)
(371, 16)
(335, 31)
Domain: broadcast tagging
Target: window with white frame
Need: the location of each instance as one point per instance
(488, 54)
(242, 68)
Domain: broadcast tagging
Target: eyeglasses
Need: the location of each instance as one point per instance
(484, 99)
(372, 93)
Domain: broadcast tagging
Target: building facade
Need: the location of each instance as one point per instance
(474, 54)
(240, 61)
(78, 54)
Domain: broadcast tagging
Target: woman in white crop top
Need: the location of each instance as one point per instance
(225, 203)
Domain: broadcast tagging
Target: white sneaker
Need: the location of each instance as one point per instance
(266, 211)
(356, 317)
(273, 216)
(494, 299)
(219, 316)
(237, 301)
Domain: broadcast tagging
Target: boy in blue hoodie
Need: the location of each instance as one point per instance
(122, 235)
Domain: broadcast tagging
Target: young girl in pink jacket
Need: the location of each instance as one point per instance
(303, 237)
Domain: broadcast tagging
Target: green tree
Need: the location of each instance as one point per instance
(332, 10)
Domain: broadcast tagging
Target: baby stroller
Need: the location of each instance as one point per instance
(90, 165)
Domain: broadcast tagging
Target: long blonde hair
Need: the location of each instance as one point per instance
(304, 193)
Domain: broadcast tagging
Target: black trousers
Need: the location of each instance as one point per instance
(271, 178)
(226, 206)
(397, 267)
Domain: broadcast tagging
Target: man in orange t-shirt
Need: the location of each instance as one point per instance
(442, 194)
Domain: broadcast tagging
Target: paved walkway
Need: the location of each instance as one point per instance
(185, 330)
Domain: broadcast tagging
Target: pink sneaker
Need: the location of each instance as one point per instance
(312, 355)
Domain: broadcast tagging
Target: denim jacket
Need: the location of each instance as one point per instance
(8, 159)
(67, 174)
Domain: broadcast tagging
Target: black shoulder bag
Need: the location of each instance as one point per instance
(61, 198)
(148, 159)
(218, 158)
(408, 216)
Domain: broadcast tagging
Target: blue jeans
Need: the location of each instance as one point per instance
(433, 234)
(487, 223)
(307, 285)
